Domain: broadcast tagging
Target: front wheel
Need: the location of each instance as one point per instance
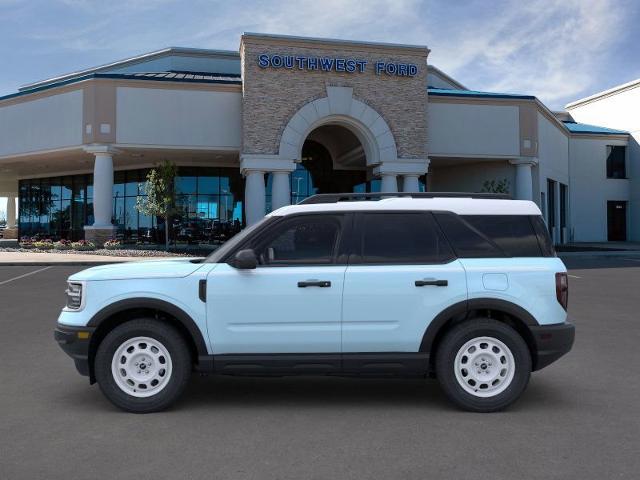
(143, 365)
(483, 365)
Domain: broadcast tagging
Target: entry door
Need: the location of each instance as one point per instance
(291, 303)
(403, 276)
(617, 221)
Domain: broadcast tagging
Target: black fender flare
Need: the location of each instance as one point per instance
(464, 307)
(154, 304)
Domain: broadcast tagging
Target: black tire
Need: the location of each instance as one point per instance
(456, 338)
(180, 358)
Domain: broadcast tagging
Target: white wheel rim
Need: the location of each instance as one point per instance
(141, 367)
(484, 367)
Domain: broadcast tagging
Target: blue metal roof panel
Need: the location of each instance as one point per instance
(575, 127)
(445, 92)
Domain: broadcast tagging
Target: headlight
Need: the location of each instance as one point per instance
(74, 295)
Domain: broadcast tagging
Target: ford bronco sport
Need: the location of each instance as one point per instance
(463, 287)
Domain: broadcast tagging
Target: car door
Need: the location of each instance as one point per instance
(290, 303)
(401, 275)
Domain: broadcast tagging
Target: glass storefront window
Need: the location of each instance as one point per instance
(209, 204)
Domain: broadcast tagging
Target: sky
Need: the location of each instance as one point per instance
(558, 50)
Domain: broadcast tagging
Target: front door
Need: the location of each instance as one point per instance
(617, 221)
(291, 303)
(403, 275)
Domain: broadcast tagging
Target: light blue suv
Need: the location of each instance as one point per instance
(466, 288)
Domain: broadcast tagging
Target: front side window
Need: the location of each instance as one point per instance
(616, 162)
(402, 238)
(303, 240)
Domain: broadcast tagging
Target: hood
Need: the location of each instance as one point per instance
(174, 268)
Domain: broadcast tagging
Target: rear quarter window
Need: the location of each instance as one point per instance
(484, 236)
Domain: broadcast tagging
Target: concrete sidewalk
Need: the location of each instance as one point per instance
(70, 259)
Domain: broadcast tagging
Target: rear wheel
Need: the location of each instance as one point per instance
(483, 365)
(143, 365)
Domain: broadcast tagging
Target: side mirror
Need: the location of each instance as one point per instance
(245, 260)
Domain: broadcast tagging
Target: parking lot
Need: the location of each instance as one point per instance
(579, 418)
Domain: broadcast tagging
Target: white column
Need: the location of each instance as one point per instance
(280, 190)
(11, 212)
(524, 177)
(410, 183)
(254, 196)
(102, 189)
(389, 183)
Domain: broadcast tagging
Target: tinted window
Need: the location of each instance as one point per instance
(544, 240)
(410, 238)
(465, 240)
(616, 167)
(309, 239)
(513, 234)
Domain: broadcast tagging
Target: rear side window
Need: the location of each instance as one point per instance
(513, 234)
(544, 240)
(483, 236)
(402, 238)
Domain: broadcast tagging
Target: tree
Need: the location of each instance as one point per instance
(160, 193)
(493, 186)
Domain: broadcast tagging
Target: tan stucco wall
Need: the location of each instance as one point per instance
(272, 96)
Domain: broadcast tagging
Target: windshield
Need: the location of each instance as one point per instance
(229, 245)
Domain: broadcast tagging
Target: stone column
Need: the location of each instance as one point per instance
(524, 177)
(280, 190)
(389, 183)
(410, 183)
(11, 211)
(11, 232)
(254, 196)
(102, 228)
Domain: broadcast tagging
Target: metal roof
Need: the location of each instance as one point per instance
(575, 127)
(446, 92)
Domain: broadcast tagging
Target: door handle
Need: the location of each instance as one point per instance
(314, 283)
(431, 282)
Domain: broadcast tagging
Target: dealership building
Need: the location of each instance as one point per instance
(287, 117)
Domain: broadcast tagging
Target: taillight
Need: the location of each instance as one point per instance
(562, 289)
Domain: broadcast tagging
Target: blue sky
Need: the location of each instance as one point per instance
(558, 50)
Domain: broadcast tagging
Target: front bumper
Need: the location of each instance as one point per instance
(75, 343)
(552, 342)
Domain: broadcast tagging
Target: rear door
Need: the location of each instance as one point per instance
(401, 275)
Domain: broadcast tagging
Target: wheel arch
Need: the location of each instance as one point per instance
(501, 310)
(120, 312)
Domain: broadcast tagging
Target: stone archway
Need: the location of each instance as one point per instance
(340, 108)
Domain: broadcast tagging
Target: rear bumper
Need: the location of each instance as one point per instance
(552, 342)
(75, 343)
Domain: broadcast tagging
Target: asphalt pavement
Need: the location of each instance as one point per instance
(579, 418)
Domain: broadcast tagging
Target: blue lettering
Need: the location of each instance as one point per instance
(326, 63)
(379, 67)
(392, 69)
(276, 61)
(312, 63)
(302, 62)
(340, 64)
(351, 66)
(413, 70)
(402, 69)
(288, 61)
(263, 61)
(361, 65)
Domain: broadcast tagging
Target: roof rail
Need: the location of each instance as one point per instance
(353, 197)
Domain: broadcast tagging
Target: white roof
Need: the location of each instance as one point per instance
(461, 206)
